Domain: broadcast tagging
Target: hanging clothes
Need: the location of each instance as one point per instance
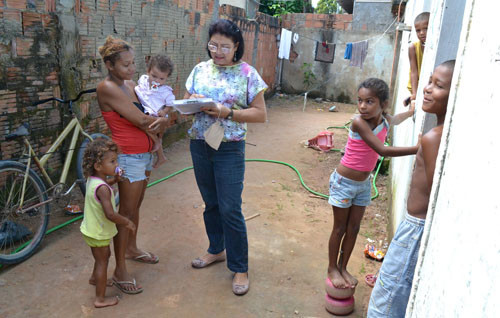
(348, 51)
(324, 52)
(285, 41)
(359, 52)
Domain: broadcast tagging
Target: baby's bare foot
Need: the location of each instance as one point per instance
(106, 302)
(159, 161)
(337, 278)
(349, 279)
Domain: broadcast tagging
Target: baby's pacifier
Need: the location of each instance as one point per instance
(118, 171)
(155, 85)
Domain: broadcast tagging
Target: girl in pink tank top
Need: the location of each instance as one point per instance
(350, 183)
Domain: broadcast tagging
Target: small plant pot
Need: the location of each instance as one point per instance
(339, 307)
(338, 293)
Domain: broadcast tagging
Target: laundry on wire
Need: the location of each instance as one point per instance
(285, 42)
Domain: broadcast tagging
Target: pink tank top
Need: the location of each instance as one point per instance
(358, 155)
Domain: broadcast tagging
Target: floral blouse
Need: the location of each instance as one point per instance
(233, 86)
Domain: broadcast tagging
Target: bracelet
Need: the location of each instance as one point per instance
(230, 116)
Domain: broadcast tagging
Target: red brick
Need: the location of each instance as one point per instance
(23, 46)
(16, 4)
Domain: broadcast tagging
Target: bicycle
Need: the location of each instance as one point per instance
(25, 198)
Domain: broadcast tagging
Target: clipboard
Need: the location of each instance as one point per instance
(191, 106)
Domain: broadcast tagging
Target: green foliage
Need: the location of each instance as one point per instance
(309, 77)
(328, 7)
(277, 8)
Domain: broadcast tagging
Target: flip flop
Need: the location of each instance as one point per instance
(119, 285)
(147, 258)
(371, 279)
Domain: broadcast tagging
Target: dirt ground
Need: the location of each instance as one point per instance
(288, 241)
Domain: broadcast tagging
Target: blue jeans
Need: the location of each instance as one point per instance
(135, 165)
(219, 175)
(393, 286)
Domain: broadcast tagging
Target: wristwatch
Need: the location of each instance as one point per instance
(230, 116)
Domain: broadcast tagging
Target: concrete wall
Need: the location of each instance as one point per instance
(337, 81)
(50, 48)
(372, 15)
(459, 264)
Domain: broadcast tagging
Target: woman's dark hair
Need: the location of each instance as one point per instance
(111, 49)
(162, 63)
(228, 29)
(378, 87)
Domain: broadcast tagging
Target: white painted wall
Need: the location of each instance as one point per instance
(458, 274)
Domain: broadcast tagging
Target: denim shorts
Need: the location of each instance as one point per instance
(393, 286)
(345, 192)
(135, 165)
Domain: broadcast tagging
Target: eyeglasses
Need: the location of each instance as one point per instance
(213, 48)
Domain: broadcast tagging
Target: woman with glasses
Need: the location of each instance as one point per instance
(218, 145)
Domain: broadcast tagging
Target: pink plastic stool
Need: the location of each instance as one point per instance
(323, 141)
(339, 307)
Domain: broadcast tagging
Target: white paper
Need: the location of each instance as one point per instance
(191, 106)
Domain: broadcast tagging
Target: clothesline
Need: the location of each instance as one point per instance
(378, 37)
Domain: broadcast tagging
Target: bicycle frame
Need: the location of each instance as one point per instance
(73, 125)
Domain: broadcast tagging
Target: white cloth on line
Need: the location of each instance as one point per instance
(359, 52)
(285, 42)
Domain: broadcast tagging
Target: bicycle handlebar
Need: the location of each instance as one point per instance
(92, 90)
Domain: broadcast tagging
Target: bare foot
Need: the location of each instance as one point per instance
(349, 279)
(109, 282)
(337, 278)
(160, 159)
(106, 302)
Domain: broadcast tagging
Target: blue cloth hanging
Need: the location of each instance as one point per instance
(348, 51)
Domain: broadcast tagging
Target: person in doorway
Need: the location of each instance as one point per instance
(156, 97)
(129, 127)
(416, 53)
(218, 145)
(350, 186)
(391, 292)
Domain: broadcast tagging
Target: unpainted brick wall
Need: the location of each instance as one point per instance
(50, 48)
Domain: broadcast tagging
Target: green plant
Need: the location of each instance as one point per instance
(277, 8)
(309, 77)
(328, 6)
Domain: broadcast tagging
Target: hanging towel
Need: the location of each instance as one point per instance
(324, 52)
(285, 41)
(348, 51)
(359, 51)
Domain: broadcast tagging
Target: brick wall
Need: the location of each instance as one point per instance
(50, 48)
(317, 21)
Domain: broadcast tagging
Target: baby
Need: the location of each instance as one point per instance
(155, 96)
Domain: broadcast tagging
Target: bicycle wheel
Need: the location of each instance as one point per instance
(79, 159)
(21, 231)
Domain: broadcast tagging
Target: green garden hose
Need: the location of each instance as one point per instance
(247, 160)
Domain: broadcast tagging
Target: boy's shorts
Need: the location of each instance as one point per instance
(345, 192)
(92, 242)
(135, 165)
(393, 286)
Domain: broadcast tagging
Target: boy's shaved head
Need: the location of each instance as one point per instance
(450, 64)
(424, 16)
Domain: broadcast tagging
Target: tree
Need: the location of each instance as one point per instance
(277, 8)
(328, 6)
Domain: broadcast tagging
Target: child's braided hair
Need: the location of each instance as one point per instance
(95, 152)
